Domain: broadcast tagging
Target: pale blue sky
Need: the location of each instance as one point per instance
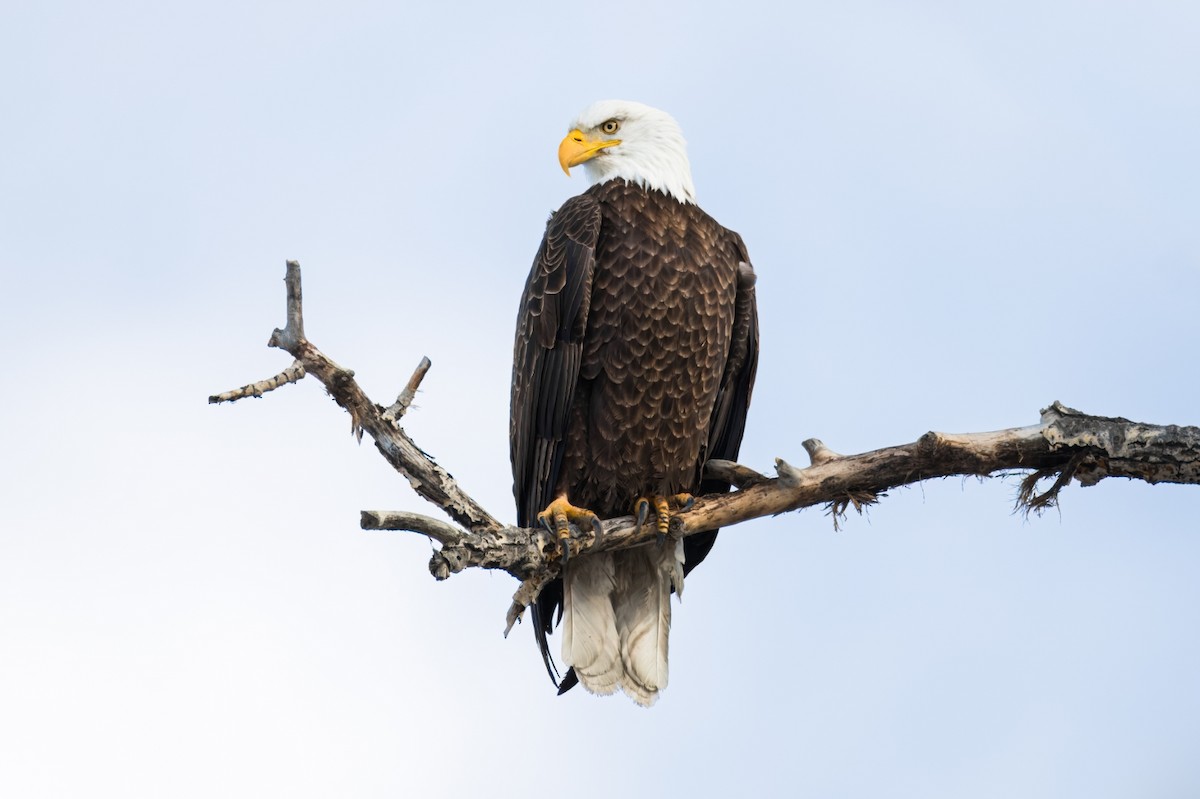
(957, 215)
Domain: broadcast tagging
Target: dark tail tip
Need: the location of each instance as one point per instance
(568, 682)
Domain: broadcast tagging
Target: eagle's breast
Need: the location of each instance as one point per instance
(659, 328)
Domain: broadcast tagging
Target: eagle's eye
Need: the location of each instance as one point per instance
(611, 126)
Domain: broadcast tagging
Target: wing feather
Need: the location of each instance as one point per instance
(551, 324)
(728, 421)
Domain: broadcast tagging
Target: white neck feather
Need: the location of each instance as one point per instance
(652, 153)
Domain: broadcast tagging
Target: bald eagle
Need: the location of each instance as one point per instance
(636, 347)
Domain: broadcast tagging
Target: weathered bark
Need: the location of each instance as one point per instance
(1066, 444)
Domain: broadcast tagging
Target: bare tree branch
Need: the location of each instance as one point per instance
(733, 473)
(438, 530)
(398, 408)
(425, 476)
(292, 374)
(1066, 445)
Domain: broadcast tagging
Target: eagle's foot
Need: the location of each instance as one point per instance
(558, 518)
(662, 511)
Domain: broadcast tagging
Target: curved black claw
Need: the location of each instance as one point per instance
(598, 528)
(688, 504)
(660, 539)
(643, 510)
(565, 543)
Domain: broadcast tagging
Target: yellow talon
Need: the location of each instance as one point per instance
(662, 511)
(558, 517)
(684, 501)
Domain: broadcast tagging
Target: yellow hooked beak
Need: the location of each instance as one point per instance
(577, 148)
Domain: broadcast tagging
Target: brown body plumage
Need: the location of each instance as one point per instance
(634, 360)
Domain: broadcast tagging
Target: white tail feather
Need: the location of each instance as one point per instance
(617, 619)
(643, 616)
(590, 643)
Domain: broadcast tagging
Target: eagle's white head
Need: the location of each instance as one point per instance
(623, 139)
